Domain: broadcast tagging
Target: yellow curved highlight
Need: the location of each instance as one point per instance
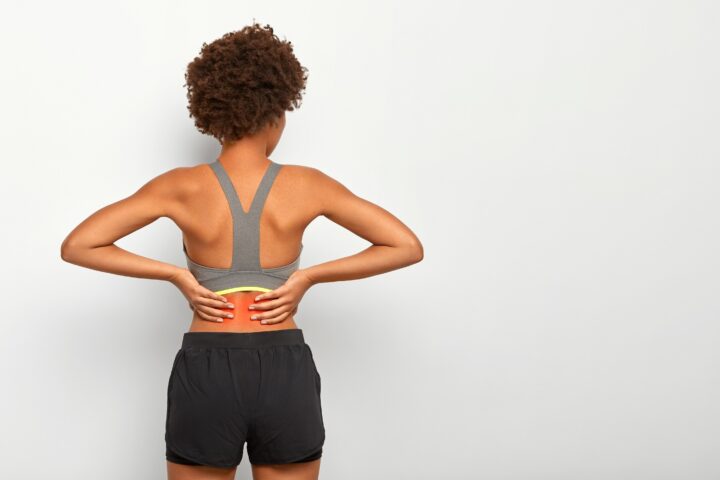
(248, 288)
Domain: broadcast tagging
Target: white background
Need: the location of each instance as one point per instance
(558, 160)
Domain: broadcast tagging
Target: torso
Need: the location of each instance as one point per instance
(204, 218)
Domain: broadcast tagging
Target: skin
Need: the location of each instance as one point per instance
(192, 198)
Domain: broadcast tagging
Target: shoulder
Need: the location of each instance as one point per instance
(312, 178)
(319, 190)
(177, 182)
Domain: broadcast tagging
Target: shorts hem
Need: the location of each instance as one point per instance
(291, 459)
(198, 460)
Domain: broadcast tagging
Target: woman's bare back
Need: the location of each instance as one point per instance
(204, 217)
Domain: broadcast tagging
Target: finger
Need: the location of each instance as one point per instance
(271, 294)
(210, 294)
(268, 304)
(271, 313)
(268, 315)
(210, 302)
(209, 318)
(277, 319)
(214, 312)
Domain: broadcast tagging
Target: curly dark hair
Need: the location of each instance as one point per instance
(242, 81)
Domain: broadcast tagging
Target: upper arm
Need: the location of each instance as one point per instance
(360, 216)
(157, 198)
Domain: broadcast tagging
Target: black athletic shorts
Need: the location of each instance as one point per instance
(227, 388)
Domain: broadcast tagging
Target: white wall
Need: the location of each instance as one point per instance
(559, 161)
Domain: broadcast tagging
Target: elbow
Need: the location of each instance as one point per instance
(415, 252)
(68, 250)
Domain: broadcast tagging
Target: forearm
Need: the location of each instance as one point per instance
(374, 260)
(113, 259)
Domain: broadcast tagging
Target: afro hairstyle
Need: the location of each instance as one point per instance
(243, 81)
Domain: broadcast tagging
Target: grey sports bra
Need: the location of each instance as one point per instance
(245, 272)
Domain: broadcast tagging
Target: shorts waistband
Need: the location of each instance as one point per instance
(289, 336)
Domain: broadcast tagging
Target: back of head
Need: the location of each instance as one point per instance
(243, 81)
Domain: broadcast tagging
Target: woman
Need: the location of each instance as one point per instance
(243, 372)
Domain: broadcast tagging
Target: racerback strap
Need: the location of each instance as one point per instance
(246, 226)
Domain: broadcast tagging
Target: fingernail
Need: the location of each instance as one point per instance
(252, 307)
(230, 305)
(254, 317)
(263, 321)
(231, 315)
(220, 320)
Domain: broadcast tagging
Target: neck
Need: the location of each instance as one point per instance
(249, 151)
